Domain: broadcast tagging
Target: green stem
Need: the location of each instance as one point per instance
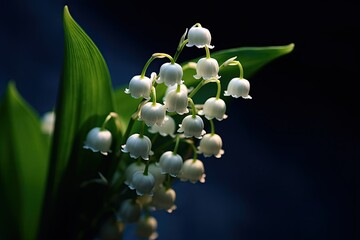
(179, 49)
(162, 55)
(212, 127)
(241, 75)
(114, 116)
(218, 93)
(153, 93)
(143, 72)
(197, 88)
(176, 144)
(207, 52)
(142, 129)
(154, 138)
(146, 170)
(193, 108)
(194, 151)
(128, 130)
(167, 182)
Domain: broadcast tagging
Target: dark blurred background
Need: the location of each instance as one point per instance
(291, 165)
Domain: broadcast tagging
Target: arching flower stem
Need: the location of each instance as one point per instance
(218, 93)
(195, 156)
(237, 63)
(180, 48)
(207, 52)
(111, 115)
(162, 55)
(176, 144)
(197, 88)
(193, 108)
(153, 95)
(143, 72)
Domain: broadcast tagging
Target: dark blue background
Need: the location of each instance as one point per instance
(291, 164)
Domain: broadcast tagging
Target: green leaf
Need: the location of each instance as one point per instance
(23, 167)
(85, 99)
(251, 58)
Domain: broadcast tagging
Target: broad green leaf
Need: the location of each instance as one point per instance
(23, 167)
(251, 58)
(85, 98)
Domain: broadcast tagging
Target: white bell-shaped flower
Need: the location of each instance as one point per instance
(192, 126)
(192, 171)
(48, 123)
(200, 37)
(170, 163)
(129, 211)
(138, 146)
(143, 184)
(167, 128)
(177, 101)
(139, 87)
(131, 169)
(146, 228)
(98, 140)
(183, 88)
(207, 68)
(152, 113)
(211, 144)
(155, 170)
(170, 74)
(164, 199)
(238, 87)
(214, 108)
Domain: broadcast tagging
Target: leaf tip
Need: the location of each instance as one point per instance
(290, 47)
(11, 87)
(66, 12)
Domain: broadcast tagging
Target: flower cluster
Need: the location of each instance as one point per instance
(154, 164)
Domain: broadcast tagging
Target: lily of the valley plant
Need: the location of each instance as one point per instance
(106, 158)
